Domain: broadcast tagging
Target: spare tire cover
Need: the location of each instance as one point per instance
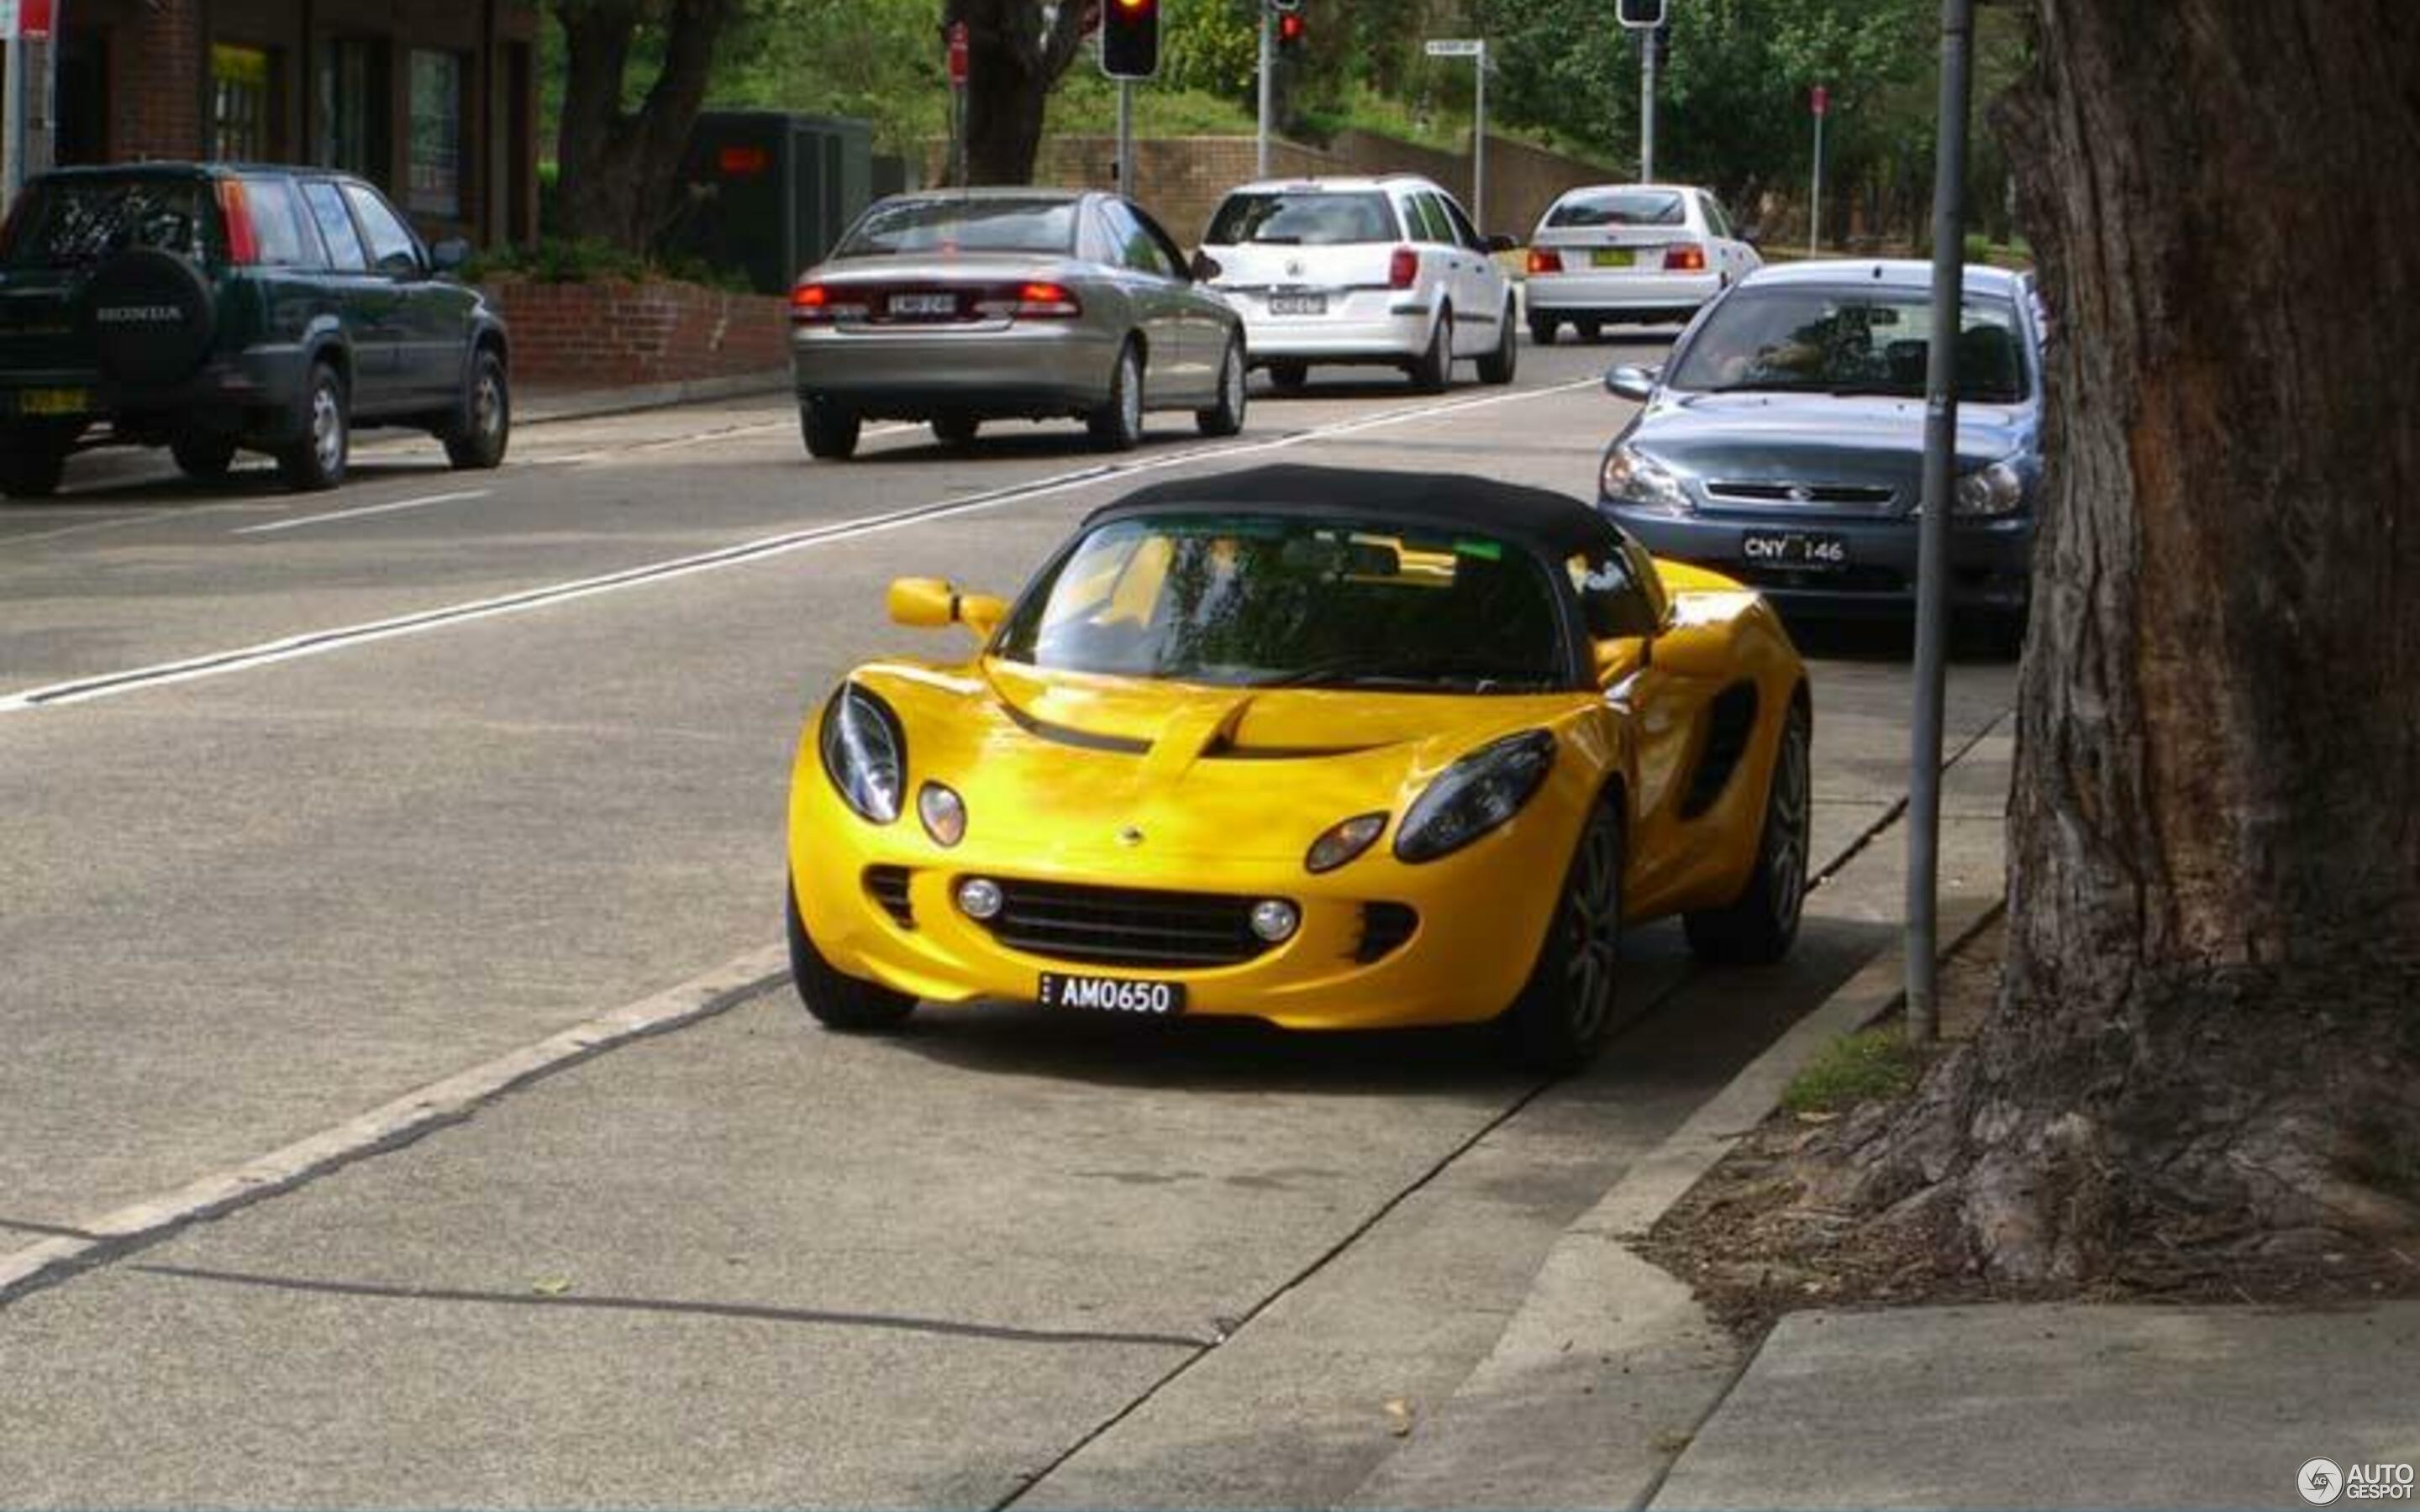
(149, 315)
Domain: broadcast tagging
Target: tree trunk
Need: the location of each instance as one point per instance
(1013, 62)
(620, 168)
(2208, 1029)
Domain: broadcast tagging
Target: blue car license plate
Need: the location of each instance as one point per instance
(1111, 995)
(1793, 548)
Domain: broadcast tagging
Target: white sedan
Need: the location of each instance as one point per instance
(1635, 254)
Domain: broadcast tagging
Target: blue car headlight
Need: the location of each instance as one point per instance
(1474, 795)
(865, 753)
(1630, 476)
(1997, 489)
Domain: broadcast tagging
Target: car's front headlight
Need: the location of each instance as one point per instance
(1997, 489)
(1474, 795)
(865, 753)
(1630, 476)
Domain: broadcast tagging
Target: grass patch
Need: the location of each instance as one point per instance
(1853, 1069)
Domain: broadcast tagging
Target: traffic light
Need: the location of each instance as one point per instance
(1290, 30)
(1130, 38)
(1641, 14)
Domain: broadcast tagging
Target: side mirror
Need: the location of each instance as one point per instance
(1204, 268)
(1636, 384)
(929, 603)
(1500, 242)
(450, 254)
(1619, 658)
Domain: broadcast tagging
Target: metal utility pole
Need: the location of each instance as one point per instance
(12, 116)
(1647, 107)
(1268, 93)
(1479, 146)
(1932, 529)
(1125, 138)
(1820, 101)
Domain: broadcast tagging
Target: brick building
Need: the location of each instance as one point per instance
(433, 101)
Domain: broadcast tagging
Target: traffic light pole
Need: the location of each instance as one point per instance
(1125, 138)
(1268, 94)
(1647, 107)
(1478, 146)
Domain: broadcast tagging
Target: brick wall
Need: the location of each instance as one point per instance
(610, 334)
(156, 83)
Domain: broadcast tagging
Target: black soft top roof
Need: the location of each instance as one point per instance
(1556, 524)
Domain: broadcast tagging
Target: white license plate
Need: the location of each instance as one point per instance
(1298, 304)
(924, 305)
(1111, 995)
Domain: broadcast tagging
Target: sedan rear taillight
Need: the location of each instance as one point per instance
(1544, 261)
(1036, 301)
(1690, 259)
(1403, 269)
(819, 305)
(235, 208)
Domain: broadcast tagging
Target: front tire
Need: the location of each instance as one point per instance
(203, 459)
(837, 1000)
(830, 429)
(1559, 1021)
(478, 437)
(1289, 378)
(1589, 331)
(956, 432)
(1117, 424)
(1760, 925)
(32, 461)
(317, 462)
(1541, 330)
(1226, 417)
(1498, 365)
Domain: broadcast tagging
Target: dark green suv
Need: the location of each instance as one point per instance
(211, 307)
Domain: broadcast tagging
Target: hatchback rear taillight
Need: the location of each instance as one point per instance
(1690, 259)
(1543, 261)
(242, 237)
(1403, 269)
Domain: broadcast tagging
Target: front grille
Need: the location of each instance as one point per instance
(1125, 926)
(1385, 927)
(1804, 495)
(888, 886)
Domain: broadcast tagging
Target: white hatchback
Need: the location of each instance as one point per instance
(1384, 270)
(1639, 254)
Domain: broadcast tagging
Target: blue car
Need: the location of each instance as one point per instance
(1783, 441)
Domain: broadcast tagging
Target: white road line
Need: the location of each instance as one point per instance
(319, 642)
(366, 509)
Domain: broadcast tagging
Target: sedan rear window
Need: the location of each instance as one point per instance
(1303, 219)
(69, 222)
(1620, 206)
(963, 226)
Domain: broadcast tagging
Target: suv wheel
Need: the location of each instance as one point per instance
(1435, 369)
(32, 458)
(477, 436)
(204, 458)
(316, 460)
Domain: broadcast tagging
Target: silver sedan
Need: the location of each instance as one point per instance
(967, 305)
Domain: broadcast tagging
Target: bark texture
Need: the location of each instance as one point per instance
(2208, 1032)
(1015, 53)
(619, 166)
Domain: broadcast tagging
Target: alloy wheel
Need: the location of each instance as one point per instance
(1591, 923)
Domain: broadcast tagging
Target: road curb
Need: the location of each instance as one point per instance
(448, 1100)
(594, 403)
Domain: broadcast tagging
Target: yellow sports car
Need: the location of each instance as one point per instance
(1337, 749)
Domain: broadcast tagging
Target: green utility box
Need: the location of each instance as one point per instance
(765, 192)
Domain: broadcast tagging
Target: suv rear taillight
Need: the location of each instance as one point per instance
(1690, 259)
(235, 209)
(1403, 269)
(1543, 261)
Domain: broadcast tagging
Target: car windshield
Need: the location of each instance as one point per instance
(963, 226)
(1283, 601)
(1848, 340)
(1619, 206)
(69, 222)
(1303, 219)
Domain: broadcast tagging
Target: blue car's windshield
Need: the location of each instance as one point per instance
(1848, 340)
(1271, 600)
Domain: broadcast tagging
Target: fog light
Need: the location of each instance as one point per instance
(978, 898)
(943, 811)
(1273, 920)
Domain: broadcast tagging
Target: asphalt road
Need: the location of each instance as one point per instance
(312, 801)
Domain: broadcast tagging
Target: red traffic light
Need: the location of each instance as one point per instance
(1130, 38)
(1290, 28)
